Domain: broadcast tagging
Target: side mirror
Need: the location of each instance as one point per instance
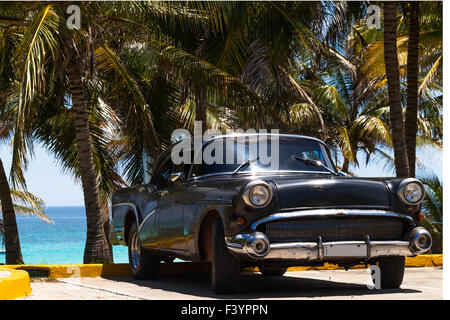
(151, 188)
(178, 176)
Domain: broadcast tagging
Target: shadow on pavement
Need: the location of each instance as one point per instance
(256, 286)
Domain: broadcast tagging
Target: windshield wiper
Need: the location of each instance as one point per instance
(316, 163)
(245, 164)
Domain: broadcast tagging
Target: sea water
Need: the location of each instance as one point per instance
(59, 243)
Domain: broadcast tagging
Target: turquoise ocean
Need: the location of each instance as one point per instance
(59, 243)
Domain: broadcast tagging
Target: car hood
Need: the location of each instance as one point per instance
(336, 192)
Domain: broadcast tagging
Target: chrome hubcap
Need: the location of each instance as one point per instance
(135, 251)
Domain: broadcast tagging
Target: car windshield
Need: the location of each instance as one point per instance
(257, 153)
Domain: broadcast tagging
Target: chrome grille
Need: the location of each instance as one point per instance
(334, 229)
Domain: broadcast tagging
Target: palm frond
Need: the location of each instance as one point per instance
(26, 203)
(430, 76)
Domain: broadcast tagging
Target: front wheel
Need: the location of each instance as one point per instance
(144, 265)
(225, 267)
(392, 270)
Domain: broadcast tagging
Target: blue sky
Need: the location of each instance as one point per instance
(46, 180)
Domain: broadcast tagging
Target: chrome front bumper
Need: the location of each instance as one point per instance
(256, 246)
(241, 245)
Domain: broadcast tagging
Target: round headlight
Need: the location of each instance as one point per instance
(411, 191)
(257, 194)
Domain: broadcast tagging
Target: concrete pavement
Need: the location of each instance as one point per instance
(418, 283)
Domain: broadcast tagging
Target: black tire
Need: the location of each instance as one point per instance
(225, 267)
(146, 265)
(272, 271)
(392, 270)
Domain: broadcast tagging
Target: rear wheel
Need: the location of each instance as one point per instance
(272, 271)
(225, 267)
(392, 270)
(144, 265)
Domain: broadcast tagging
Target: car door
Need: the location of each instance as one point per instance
(149, 206)
(148, 233)
(170, 210)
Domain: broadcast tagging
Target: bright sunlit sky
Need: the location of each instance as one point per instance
(46, 180)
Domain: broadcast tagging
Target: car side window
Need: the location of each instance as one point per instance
(197, 170)
(162, 177)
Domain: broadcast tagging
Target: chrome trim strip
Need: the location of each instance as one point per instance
(329, 212)
(145, 219)
(233, 135)
(320, 248)
(255, 173)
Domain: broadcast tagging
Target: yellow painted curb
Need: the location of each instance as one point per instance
(426, 260)
(111, 270)
(14, 284)
(185, 268)
(78, 270)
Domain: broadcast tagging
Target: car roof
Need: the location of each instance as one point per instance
(232, 135)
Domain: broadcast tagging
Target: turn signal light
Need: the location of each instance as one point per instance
(240, 221)
(421, 216)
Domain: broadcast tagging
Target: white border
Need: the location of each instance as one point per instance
(446, 155)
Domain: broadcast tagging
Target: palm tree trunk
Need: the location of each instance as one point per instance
(413, 87)
(345, 165)
(97, 248)
(12, 242)
(107, 227)
(393, 81)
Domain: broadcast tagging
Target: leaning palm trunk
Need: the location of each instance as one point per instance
(97, 248)
(393, 82)
(412, 90)
(12, 243)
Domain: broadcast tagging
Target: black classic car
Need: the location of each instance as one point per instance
(246, 213)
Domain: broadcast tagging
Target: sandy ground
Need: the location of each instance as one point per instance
(418, 283)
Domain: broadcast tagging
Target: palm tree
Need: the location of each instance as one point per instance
(428, 22)
(259, 43)
(369, 45)
(354, 112)
(393, 83)
(47, 32)
(14, 202)
(413, 87)
(12, 242)
(96, 242)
